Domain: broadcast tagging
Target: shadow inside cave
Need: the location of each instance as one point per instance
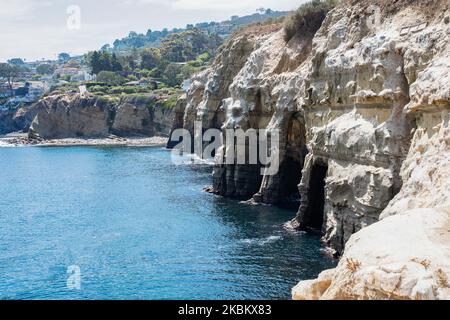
(314, 215)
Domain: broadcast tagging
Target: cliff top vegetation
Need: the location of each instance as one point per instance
(307, 18)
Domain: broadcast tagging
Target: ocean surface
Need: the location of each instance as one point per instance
(126, 223)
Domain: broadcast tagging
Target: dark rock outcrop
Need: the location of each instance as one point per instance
(177, 120)
(18, 119)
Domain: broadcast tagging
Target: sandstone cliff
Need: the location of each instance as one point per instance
(141, 116)
(362, 106)
(75, 116)
(71, 116)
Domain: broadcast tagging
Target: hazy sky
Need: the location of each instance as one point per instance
(34, 29)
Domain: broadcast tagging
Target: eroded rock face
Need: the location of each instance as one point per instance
(406, 255)
(338, 95)
(193, 99)
(230, 60)
(210, 87)
(133, 117)
(71, 116)
(356, 91)
(177, 120)
(142, 116)
(362, 110)
(18, 119)
(74, 116)
(262, 96)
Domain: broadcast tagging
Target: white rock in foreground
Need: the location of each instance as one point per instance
(410, 261)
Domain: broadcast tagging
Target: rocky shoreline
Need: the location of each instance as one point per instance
(22, 140)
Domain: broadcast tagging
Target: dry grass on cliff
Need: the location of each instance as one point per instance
(442, 279)
(353, 265)
(390, 7)
(260, 28)
(308, 18)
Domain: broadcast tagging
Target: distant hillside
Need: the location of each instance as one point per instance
(223, 29)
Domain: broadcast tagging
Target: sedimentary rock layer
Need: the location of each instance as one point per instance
(407, 254)
(362, 109)
(69, 116)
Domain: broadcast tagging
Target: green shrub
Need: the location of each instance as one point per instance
(94, 84)
(98, 89)
(162, 85)
(308, 18)
(120, 89)
(103, 101)
(171, 102)
(110, 78)
(152, 104)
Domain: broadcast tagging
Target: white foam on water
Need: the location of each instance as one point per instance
(290, 229)
(189, 159)
(9, 145)
(263, 241)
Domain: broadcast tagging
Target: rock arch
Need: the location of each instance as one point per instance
(282, 188)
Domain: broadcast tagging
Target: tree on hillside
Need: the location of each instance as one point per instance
(115, 64)
(106, 47)
(103, 61)
(109, 77)
(94, 62)
(150, 58)
(173, 74)
(45, 68)
(131, 60)
(10, 73)
(186, 46)
(63, 57)
(72, 63)
(16, 61)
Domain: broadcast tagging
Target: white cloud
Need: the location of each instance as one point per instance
(146, 2)
(41, 24)
(20, 10)
(235, 4)
(218, 4)
(15, 9)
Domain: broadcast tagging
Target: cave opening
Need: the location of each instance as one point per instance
(316, 196)
(292, 165)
